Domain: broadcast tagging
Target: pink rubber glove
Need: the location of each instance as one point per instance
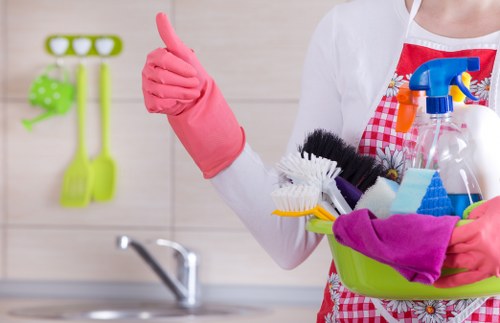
(174, 83)
(475, 247)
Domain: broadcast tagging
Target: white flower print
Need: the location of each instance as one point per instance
(399, 306)
(330, 318)
(336, 303)
(459, 305)
(481, 89)
(333, 286)
(394, 85)
(430, 311)
(333, 283)
(408, 76)
(393, 162)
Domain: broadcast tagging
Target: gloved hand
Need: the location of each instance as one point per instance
(175, 83)
(475, 247)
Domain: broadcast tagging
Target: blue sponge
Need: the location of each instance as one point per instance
(422, 192)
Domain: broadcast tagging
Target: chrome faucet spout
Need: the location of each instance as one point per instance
(186, 288)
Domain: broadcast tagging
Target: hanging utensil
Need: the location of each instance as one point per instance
(104, 167)
(78, 177)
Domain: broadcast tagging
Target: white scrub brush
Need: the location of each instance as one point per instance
(300, 200)
(316, 171)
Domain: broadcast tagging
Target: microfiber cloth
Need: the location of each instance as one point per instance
(400, 241)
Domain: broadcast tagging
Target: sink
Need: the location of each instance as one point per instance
(129, 310)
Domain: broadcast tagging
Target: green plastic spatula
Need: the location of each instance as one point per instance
(78, 177)
(103, 165)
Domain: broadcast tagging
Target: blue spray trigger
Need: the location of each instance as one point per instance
(457, 80)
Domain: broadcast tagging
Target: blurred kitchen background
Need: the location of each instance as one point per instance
(255, 52)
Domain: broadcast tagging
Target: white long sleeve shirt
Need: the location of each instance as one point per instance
(351, 59)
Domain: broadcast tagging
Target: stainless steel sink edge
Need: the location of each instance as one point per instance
(129, 310)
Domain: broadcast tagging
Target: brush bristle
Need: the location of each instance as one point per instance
(296, 198)
(317, 171)
(361, 171)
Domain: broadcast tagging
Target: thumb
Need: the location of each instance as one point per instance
(167, 33)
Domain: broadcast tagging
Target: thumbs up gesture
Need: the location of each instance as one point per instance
(176, 84)
(172, 78)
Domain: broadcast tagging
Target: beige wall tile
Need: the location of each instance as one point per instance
(267, 126)
(79, 255)
(36, 161)
(254, 49)
(3, 26)
(234, 257)
(2, 107)
(2, 161)
(31, 21)
(3, 251)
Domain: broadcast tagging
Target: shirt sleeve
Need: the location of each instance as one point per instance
(247, 184)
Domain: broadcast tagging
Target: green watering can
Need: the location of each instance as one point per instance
(55, 96)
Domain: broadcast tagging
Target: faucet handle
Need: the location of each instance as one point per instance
(187, 269)
(189, 258)
(186, 287)
(174, 245)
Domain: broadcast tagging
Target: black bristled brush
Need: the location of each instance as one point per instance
(359, 170)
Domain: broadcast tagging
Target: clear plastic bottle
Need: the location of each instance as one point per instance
(441, 145)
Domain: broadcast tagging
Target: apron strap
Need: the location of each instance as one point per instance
(413, 13)
(383, 311)
(474, 306)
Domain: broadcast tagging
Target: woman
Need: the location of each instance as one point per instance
(360, 53)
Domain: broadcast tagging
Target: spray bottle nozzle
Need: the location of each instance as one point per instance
(436, 76)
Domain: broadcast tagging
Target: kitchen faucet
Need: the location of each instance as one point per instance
(186, 287)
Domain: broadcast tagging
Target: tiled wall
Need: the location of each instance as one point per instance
(254, 50)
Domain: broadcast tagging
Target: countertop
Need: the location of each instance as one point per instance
(292, 313)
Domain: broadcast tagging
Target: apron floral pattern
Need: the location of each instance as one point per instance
(381, 141)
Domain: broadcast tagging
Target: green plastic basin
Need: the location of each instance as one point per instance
(368, 277)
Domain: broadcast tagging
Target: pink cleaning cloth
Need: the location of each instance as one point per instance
(413, 244)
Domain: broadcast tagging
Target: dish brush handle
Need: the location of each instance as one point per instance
(337, 199)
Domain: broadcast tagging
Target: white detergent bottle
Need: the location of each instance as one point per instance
(441, 144)
(482, 126)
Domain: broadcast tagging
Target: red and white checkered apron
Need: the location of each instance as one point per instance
(380, 140)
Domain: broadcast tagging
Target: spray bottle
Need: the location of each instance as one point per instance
(482, 127)
(441, 145)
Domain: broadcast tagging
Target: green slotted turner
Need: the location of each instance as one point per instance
(103, 165)
(78, 177)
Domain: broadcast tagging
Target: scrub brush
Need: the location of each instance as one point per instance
(299, 200)
(317, 171)
(360, 170)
